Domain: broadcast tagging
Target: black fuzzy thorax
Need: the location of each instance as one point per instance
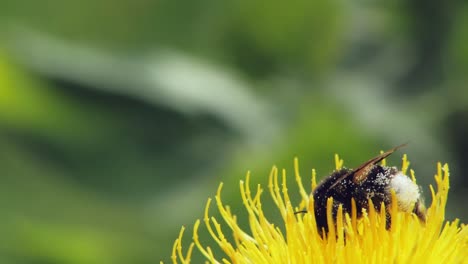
(374, 187)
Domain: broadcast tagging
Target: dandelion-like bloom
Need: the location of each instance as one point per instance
(353, 240)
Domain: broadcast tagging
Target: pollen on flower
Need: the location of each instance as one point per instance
(296, 239)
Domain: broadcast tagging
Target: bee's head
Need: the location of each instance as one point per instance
(408, 195)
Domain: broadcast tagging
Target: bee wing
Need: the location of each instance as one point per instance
(360, 173)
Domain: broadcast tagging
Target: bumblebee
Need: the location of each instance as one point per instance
(369, 181)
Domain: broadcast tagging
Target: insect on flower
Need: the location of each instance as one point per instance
(369, 239)
(368, 182)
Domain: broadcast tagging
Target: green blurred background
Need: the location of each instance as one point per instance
(119, 118)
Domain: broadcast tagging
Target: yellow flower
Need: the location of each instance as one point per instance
(354, 240)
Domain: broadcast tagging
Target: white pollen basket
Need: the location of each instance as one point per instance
(407, 192)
